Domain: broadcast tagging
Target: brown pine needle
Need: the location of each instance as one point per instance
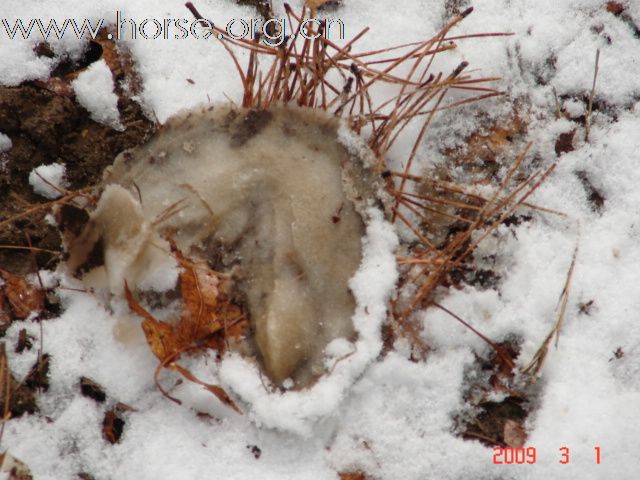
(535, 365)
(317, 73)
(505, 358)
(32, 249)
(37, 208)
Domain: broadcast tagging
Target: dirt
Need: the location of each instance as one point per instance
(594, 196)
(486, 419)
(46, 125)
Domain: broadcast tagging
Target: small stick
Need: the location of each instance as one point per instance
(587, 121)
(5, 389)
(555, 98)
(35, 266)
(534, 367)
(496, 348)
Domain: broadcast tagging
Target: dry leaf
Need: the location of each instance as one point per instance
(109, 53)
(615, 7)
(207, 320)
(315, 4)
(564, 142)
(488, 145)
(5, 318)
(160, 335)
(199, 287)
(38, 377)
(23, 297)
(357, 475)
(161, 339)
(24, 342)
(216, 390)
(91, 389)
(16, 469)
(208, 317)
(16, 397)
(112, 427)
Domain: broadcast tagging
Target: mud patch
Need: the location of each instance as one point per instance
(46, 125)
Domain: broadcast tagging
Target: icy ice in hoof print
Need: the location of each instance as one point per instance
(270, 198)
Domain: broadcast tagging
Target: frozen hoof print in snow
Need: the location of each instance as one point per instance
(270, 196)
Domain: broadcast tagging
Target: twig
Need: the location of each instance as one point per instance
(5, 388)
(495, 347)
(536, 363)
(587, 121)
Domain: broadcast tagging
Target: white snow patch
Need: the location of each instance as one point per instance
(95, 91)
(44, 178)
(5, 143)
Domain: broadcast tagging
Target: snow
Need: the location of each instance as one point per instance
(94, 91)
(21, 53)
(44, 178)
(5, 143)
(389, 417)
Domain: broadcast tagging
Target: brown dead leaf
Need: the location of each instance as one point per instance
(357, 475)
(161, 339)
(564, 143)
(208, 317)
(24, 342)
(105, 49)
(109, 53)
(16, 469)
(112, 427)
(91, 389)
(200, 297)
(237, 324)
(5, 317)
(23, 297)
(118, 60)
(160, 336)
(615, 7)
(216, 390)
(315, 4)
(207, 321)
(16, 398)
(487, 146)
(38, 377)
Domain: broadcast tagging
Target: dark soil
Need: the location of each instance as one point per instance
(47, 125)
(490, 421)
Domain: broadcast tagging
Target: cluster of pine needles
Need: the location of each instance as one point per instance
(314, 72)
